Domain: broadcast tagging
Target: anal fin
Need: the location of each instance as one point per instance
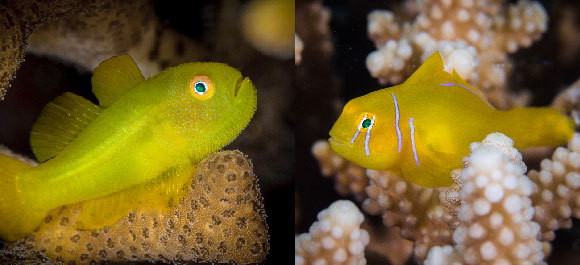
(160, 195)
(59, 124)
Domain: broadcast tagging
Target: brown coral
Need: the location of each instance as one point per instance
(473, 36)
(19, 19)
(414, 209)
(349, 178)
(112, 28)
(493, 213)
(221, 219)
(556, 196)
(496, 212)
(336, 238)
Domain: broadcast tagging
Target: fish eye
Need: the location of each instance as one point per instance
(201, 87)
(366, 123)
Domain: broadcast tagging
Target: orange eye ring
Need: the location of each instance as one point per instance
(201, 87)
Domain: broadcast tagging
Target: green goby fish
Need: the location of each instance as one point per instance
(424, 126)
(137, 148)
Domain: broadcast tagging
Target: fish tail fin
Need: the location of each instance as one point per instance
(16, 219)
(534, 126)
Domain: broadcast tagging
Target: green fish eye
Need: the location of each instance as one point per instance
(366, 123)
(200, 87)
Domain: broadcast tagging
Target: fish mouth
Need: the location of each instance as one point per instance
(337, 142)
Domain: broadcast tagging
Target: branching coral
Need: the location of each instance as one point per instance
(336, 238)
(568, 102)
(496, 212)
(493, 213)
(312, 24)
(349, 178)
(556, 196)
(221, 219)
(473, 36)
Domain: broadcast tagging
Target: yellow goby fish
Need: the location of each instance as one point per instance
(145, 136)
(425, 125)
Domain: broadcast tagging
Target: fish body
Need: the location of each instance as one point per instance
(143, 132)
(425, 125)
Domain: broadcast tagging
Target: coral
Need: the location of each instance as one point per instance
(387, 241)
(496, 212)
(556, 196)
(473, 36)
(415, 210)
(312, 24)
(298, 47)
(568, 102)
(87, 33)
(493, 213)
(221, 219)
(268, 26)
(349, 178)
(336, 238)
(18, 21)
(412, 208)
(112, 28)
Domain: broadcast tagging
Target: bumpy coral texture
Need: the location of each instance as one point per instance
(18, 20)
(412, 208)
(336, 238)
(221, 219)
(496, 212)
(79, 31)
(492, 213)
(350, 178)
(473, 36)
(112, 28)
(556, 196)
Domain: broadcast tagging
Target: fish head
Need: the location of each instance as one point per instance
(365, 132)
(209, 104)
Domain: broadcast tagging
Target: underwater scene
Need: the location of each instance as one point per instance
(183, 132)
(437, 132)
(139, 132)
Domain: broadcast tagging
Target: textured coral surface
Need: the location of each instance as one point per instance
(546, 67)
(221, 219)
(158, 34)
(336, 238)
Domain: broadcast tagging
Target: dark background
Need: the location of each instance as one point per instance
(324, 84)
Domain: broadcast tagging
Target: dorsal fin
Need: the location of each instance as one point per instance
(59, 124)
(159, 195)
(113, 77)
(430, 70)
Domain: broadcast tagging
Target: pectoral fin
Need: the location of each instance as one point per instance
(59, 124)
(113, 77)
(162, 194)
